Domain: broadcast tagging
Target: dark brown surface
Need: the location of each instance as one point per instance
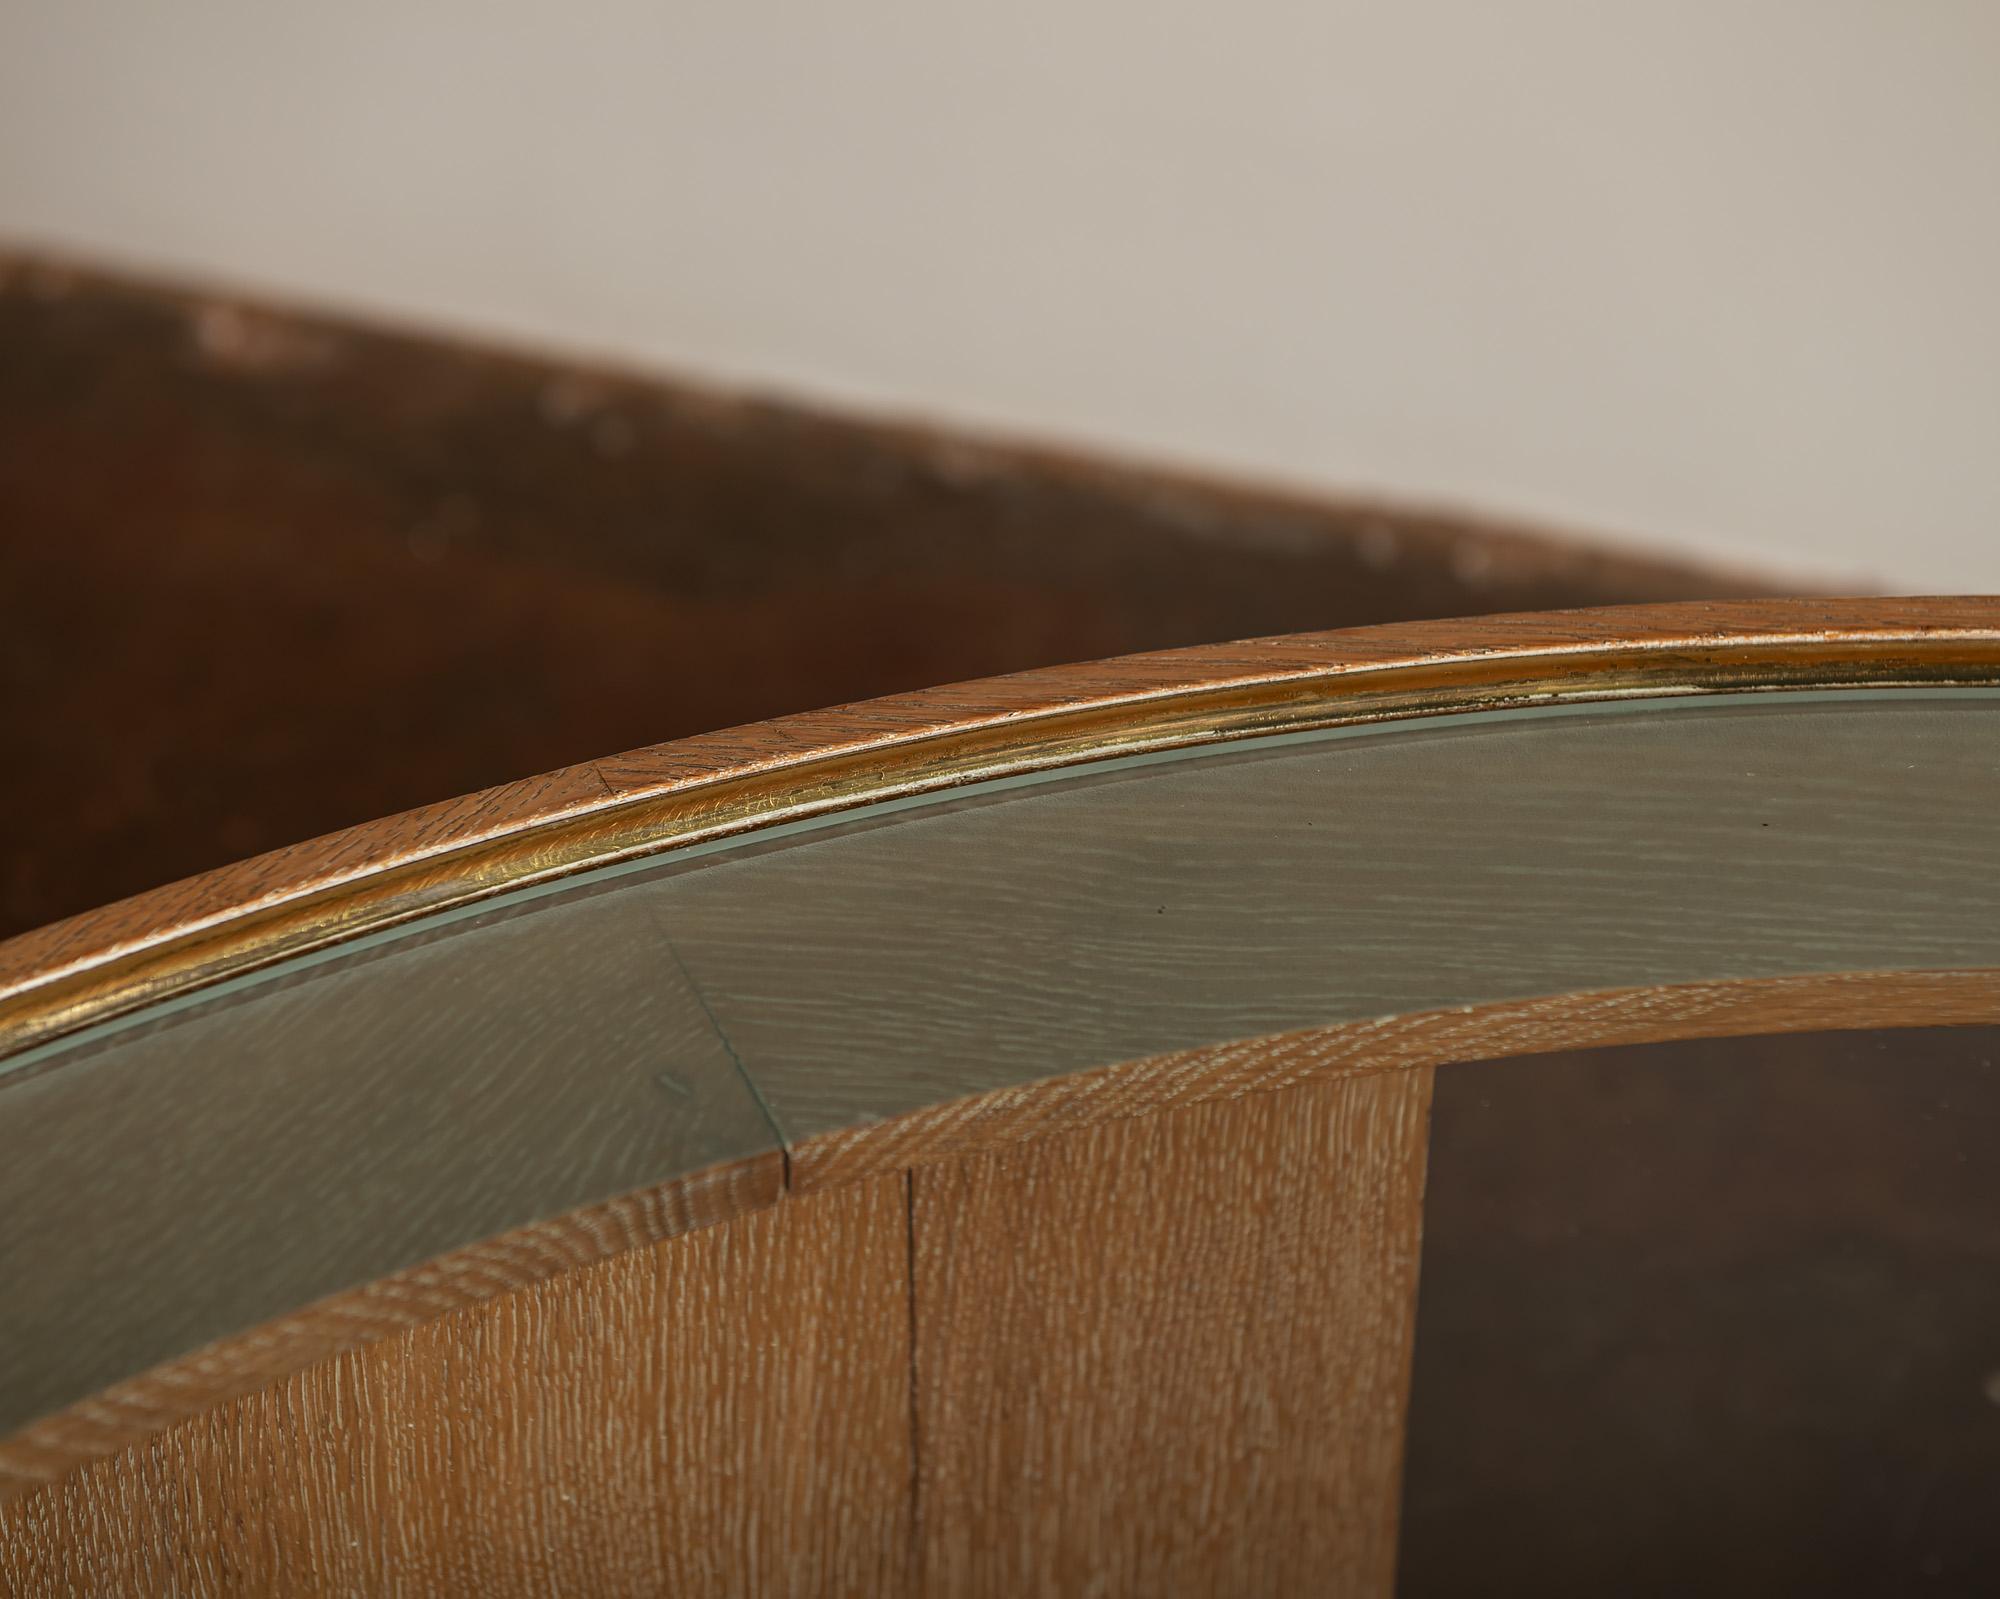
(1718, 1317)
(267, 575)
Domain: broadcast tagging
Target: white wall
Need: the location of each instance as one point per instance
(1719, 274)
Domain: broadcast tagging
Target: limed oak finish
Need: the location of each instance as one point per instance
(1041, 1068)
(724, 1413)
(1215, 1375)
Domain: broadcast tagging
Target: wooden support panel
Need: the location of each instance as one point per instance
(725, 1412)
(1171, 1354)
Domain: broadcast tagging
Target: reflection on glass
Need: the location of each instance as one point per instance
(195, 1172)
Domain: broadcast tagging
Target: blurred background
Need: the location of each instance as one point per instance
(1709, 280)
(397, 400)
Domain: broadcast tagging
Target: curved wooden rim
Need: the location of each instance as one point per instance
(146, 1404)
(190, 934)
(1498, 1030)
(283, 904)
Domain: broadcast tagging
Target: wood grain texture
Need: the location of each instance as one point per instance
(1172, 1354)
(899, 966)
(155, 1399)
(106, 961)
(898, 962)
(989, 1122)
(354, 1323)
(1179, 976)
(722, 1413)
(479, 1105)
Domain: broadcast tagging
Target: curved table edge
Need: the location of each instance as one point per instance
(132, 1410)
(105, 963)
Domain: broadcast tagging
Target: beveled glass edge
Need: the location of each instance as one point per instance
(874, 812)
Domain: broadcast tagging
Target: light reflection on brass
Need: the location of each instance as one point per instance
(99, 988)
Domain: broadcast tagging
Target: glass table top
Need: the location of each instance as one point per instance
(202, 1166)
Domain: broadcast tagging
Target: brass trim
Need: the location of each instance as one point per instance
(256, 934)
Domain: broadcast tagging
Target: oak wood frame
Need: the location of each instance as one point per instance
(181, 938)
(104, 963)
